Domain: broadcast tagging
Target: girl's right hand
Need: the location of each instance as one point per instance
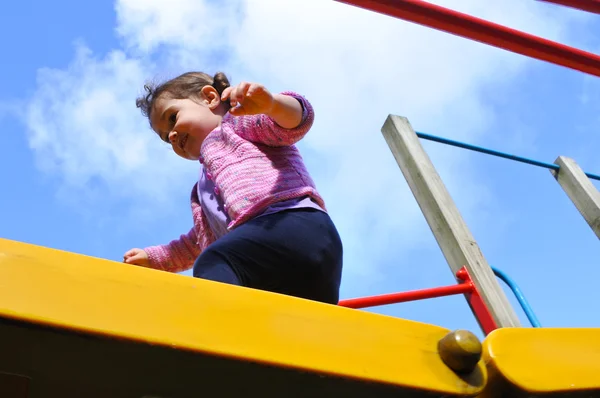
(136, 257)
(252, 99)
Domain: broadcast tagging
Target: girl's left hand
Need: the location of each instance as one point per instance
(252, 99)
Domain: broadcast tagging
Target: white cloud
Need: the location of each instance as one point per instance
(146, 25)
(83, 125)
(355, 66)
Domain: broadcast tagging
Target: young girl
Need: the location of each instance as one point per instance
(259, 220)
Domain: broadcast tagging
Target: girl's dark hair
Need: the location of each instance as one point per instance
(187, 85)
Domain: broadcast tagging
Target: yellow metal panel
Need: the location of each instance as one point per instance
(92, 295)
(544, 360)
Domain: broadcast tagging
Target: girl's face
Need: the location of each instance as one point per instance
(185, 123)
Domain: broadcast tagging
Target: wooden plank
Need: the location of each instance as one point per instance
(227, 331)
(580, 190)
(450, 231)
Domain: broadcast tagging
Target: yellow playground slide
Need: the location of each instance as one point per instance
(77, 326)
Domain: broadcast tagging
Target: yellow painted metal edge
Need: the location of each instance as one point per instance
(93, 295)
(543, 360)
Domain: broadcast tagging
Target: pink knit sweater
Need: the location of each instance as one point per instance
(254, 163)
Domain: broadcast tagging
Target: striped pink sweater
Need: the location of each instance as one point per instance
(254, 163)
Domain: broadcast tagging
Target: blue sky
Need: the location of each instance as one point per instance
(82, 172)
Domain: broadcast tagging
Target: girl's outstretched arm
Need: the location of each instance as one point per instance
(176, 256)
(284, 124)
(287, 111)
(255, 99)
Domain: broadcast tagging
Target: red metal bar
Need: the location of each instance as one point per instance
(392, 298)
(480, 30)
(482, 314)
(592, 6)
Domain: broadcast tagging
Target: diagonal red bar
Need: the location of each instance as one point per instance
(392, 298)
(483, 31)
(592, 6)
(480, 310)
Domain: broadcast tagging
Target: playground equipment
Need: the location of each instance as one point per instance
(77, 326)
(88, 327)
(585, 5)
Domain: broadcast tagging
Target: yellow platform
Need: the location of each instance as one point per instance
(543, 362)
(76, 326)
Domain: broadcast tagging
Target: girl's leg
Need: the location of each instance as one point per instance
(295, 252)
(212, 265)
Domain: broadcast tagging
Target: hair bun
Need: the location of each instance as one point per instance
(220, 82)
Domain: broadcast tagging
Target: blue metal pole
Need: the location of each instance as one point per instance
(520, 297)
(496, 153)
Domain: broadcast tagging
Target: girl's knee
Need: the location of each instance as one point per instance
(212, 266)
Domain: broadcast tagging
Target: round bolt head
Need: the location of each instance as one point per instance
(460, 350)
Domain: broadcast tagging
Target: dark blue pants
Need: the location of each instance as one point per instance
(296, 252)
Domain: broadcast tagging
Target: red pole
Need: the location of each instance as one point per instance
(372, 301)
(592, 6)
(480, 310)
(483, 31)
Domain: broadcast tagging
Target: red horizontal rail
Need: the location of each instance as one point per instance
(480, 30)
(393, 298)
(592, 6)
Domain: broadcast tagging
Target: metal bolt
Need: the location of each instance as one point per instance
(460, 350)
